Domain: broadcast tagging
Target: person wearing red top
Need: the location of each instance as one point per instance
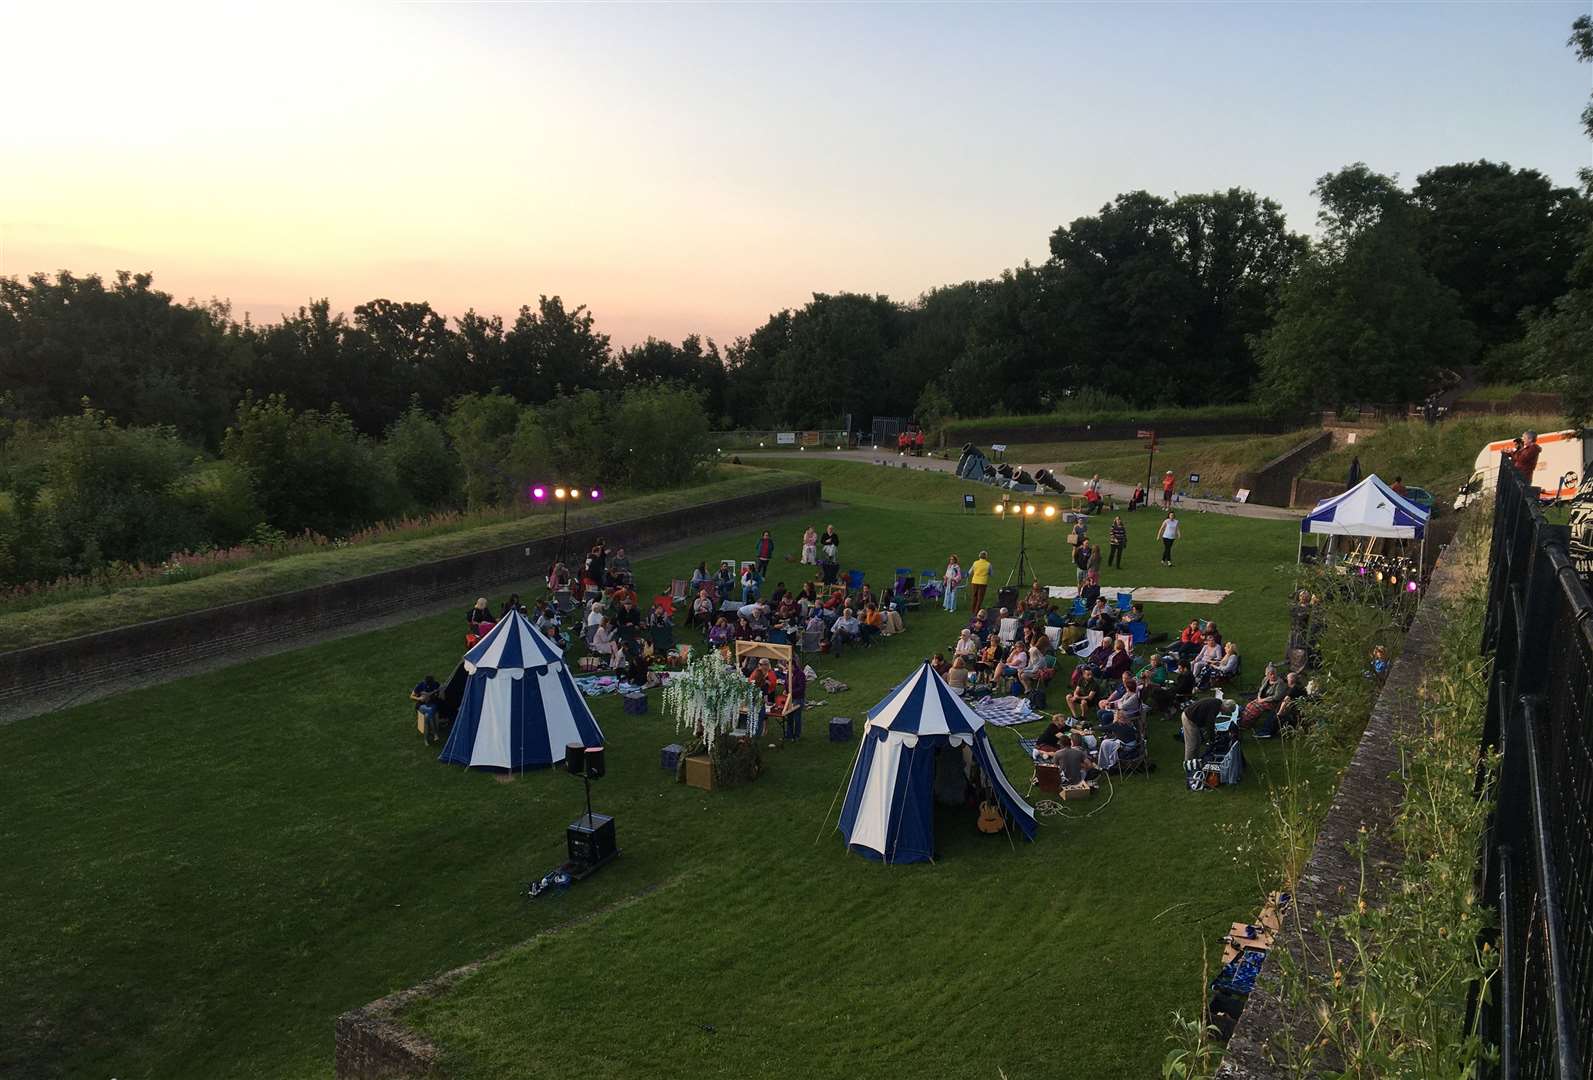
(1167, 489)
(1398, 486)
(1526, 459)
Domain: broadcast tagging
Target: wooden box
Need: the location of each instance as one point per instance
(700, 772)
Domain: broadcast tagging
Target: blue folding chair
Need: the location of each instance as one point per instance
(1140, 631)
(1125, 601)
(854, 579)
(904, 578)
(1078, 606)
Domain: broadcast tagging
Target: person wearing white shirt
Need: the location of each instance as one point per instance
(1169, 534)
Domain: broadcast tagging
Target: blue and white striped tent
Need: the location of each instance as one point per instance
(1370, 508)
(890, 803)
(520, 707)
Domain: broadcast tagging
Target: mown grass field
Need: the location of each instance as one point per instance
(1219, 459)
(201, 876)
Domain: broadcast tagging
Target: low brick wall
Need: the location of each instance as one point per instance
(1523, 403)
(1273, 483)
(1310, 492)
(107, 657)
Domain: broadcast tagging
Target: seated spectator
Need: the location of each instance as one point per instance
(752, 611)
(779, 594)
(1226, 668)
(700, 576)
(702, 609)
(1134, 614)
(744, 630)
(989, 657)
(1081, 698)
(721, 633)
(1262, 709)
(938, 662)
(1075, 762)
(1036, 600)
(1052, 739)
(1040, 669)
(816, 625)
(605, 644)
(789, 610)
(619, 568)
(967, 645)
(1378, 666)
(1209, 654)
(808, 598)
(764, 679)
(890, 620)
(872, 622)
(750, 584)
(1190, 642)
(1017, 659)
(980, 625)
(1213, 634)
(957, 674)
(1100, 656)
(628, 619)
(1119, 662)
(426, 695)
(1122, 704)
(513, 604)
(480, 613)
(1294, 691)
(724, 580)
(1103, 618)
(559, 577)
(847, 630)
(1053, 617)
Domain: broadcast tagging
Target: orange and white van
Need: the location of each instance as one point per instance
(1563, 459)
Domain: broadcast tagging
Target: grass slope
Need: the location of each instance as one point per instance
(1438, 457)
(145, 601)
(201, 876)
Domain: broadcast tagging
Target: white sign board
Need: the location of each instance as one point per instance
(999, 447)
(785, 438)
(1242, 496)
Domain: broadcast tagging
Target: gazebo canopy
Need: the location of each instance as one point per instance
(1370, 508)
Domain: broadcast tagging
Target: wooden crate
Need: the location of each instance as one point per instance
(700, 772)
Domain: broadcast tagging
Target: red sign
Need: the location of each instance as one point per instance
(1147, 435)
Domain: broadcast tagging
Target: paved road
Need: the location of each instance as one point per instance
(1073, 483)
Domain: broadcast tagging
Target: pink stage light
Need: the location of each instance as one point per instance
(539, 493)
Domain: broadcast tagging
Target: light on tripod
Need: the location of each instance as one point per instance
(1001, 508)
(1050, 511)
(1028, 509)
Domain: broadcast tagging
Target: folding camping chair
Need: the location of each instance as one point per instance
(854, 580)
(677, 590)
(1125, 602)
(1008, 631)
(1079, 608)
(1140, 633)
(907, 588)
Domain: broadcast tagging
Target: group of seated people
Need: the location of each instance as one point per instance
(1212, 661)
(824, 617)
(479, 620)
(601, 568)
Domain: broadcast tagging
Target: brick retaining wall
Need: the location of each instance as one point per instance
(1273, 483)
(94, 659)
(985, 434)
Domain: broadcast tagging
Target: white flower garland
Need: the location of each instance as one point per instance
(708, 696)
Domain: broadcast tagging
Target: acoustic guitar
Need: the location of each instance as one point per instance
(990, 819)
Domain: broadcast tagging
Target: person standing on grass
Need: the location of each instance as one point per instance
(1093, 564)
(810, 547)
(1119, 538)
(951, 581)
(1168, 483)
(765, 553)
(1081, 560)
(979, 579)
(1169, 536)
(1355, 471)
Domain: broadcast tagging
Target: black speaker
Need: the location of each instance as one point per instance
(575, 757)
(590, 838)
(594, 762)
(1008, 598)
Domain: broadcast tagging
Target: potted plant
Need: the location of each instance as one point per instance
(707, 700)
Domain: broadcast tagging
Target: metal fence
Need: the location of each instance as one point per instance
(1537, 864)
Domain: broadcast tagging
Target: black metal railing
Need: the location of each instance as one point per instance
(1537, 863)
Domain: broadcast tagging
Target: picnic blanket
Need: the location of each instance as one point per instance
(598, 685)
(1005, 711)
(1155, 594)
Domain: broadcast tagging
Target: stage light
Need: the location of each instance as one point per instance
(1393, 579)
(575, 493)
(1028, 509)
(558, 493)
(1380, 575)
(1050, 511)
(1362, 571)
(597, 493)
(1001, 508)
(1410, 586)
(539, 493)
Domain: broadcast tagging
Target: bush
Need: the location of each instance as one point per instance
(661, 435)
(309, 471)
(425, 467)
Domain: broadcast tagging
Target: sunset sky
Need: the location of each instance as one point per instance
(684, 168)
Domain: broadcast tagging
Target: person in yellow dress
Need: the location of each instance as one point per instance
(979, 579)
